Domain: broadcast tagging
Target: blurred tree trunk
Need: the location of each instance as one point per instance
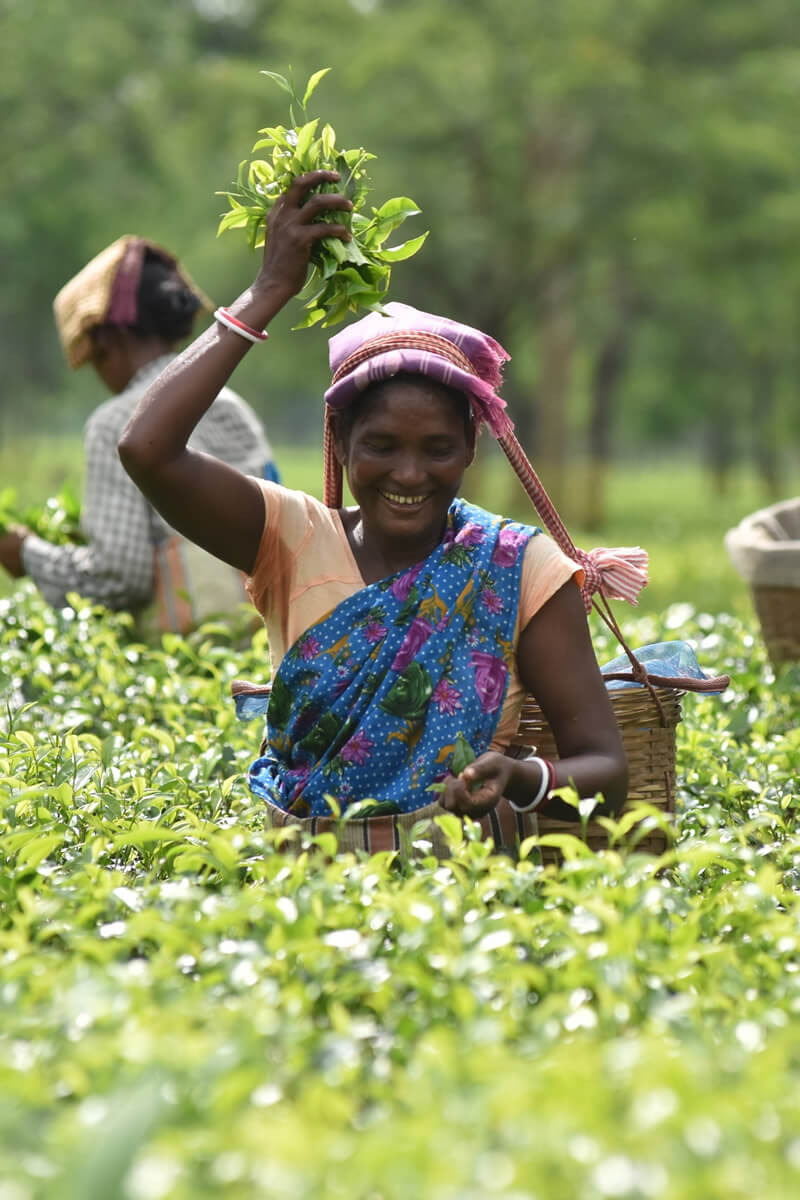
(762, 425)
(720, 453)
(609, 370)
(544, 425)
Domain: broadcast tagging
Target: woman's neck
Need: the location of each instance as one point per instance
(377, 558)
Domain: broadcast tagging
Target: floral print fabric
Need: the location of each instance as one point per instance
(369, 702)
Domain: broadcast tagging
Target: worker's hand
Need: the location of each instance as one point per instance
(292, 230)
(478, 788)
(11, 550)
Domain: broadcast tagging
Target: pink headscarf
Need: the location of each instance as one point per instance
(408, 340)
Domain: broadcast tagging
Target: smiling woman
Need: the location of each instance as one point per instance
(405, 449)
(404, 631)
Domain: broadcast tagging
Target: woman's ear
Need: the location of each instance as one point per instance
(339, 441)
(472, 439)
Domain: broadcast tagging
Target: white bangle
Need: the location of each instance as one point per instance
(236, 326)
(543, 789)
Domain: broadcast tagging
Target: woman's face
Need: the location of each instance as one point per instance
(405, 459)
(110, 357)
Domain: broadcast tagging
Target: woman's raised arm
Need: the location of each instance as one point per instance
(207, 501)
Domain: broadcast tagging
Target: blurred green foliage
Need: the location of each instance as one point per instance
(611, 188)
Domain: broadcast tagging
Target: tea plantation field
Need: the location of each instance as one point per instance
(188, 1011)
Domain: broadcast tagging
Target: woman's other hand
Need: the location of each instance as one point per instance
(292, 229)
(478, 788)
(11, 543)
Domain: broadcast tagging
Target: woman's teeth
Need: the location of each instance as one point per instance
(403, 499)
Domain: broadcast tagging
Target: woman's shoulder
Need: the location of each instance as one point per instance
(545, 569)
(297, 516)
(296, 499)
(543, 553)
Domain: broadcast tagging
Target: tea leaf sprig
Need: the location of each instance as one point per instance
(463, 755)
(345, 276)
(57, 521)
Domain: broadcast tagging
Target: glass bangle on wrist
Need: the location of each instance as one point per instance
(546, 786)
(236, 326)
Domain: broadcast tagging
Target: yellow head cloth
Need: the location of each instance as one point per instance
(104, 291)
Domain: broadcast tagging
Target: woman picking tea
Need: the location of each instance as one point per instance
(411, 625)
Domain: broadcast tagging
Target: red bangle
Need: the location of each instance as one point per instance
(236, 326)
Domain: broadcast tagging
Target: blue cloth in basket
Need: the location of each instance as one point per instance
(659, 658)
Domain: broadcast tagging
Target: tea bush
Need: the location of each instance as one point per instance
(188, 1011)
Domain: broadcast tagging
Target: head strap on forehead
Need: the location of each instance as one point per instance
(407, 339)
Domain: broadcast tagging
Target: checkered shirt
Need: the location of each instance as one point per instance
(115, 567)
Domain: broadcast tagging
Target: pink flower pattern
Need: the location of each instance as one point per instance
(309, 648)
(404, 583)
(418, 634)
(446, 697)
(491, 600)
(357, 749)
(507, 547)
(470, 535)
(490, 679)
(297, 781)
(375, 632)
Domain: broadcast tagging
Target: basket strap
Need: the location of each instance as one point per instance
(681, 683)
(620, 573)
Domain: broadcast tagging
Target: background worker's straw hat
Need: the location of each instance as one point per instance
(104, 292)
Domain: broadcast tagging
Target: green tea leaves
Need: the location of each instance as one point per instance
(281, 82)
(295, 150)
(57, 520)
(393, 254)
(177, 977)
(312, 83)
(463, 754)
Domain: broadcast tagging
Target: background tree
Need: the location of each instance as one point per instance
(611, 189)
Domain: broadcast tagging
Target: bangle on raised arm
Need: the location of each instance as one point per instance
(236, 326)
(545, 788)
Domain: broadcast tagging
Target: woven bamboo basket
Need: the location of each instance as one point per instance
(764, 549)
(778, 610)
(648, 737)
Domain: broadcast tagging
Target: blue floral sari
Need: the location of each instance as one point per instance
(369, 702)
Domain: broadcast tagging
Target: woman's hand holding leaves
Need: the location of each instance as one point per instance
(294, 227)
(349, 271)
